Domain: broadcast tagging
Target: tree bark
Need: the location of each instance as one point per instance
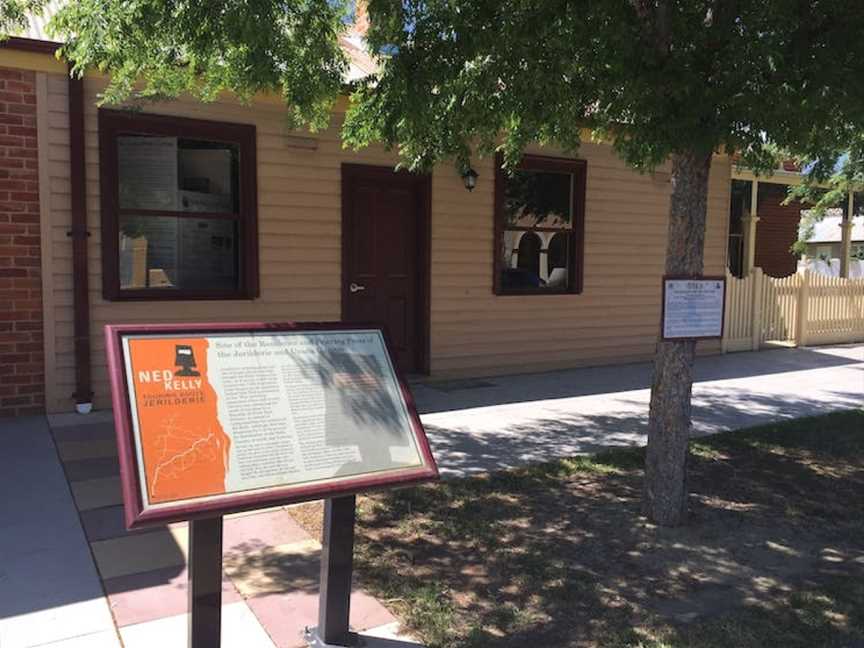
(665, 491)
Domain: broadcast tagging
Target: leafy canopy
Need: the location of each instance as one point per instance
(657, 76)
(157, 49)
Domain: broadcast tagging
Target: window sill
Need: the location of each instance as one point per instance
(186, 295)
(531, 292)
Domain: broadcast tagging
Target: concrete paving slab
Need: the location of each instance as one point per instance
(95, 431)
(73, 418)
(49, 588)
(96, 493)
(109, 522)
(106, 639)
(239, 628)
(91, 449)
(390, 635)
(286, 616)
(138, 598)
(274, 570)
(98, 468)
(50, 596)
(27, 531)
(267, 529)
(134, 554)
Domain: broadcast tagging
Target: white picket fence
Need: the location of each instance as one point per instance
(802, 309)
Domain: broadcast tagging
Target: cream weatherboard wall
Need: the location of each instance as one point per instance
(473, 332)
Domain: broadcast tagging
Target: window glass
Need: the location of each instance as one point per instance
(558, 261)
(539, 198)
(537, 229)
(171, 253)
(207, 173)
(147, 172)
(176, 174)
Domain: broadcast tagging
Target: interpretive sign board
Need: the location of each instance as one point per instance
(693, 307)
(218, 418)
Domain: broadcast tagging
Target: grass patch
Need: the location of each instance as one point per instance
(558, 554)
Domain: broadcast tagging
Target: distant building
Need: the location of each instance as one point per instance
(825, 243)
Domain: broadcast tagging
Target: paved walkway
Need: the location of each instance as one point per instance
(49, 587)
(476, 426)
(72, 577)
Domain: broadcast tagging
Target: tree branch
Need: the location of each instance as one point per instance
(656, 24)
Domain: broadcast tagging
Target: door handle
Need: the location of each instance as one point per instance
(355, 288)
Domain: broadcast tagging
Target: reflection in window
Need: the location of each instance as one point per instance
(538, 226)
(171, 252)
(528, 256)
(159, 176)
(177, 174)
(557, 260)
(538, 198)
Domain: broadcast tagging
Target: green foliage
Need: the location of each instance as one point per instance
(753, 76)
(13, 15)
(461, 78)
(156, 49)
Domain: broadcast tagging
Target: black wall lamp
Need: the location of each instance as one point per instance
(469, 177)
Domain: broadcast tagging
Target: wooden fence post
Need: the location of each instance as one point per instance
(803, 309)
(756, 321)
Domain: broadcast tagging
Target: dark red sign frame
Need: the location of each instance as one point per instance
(137, 516)
(721, 279)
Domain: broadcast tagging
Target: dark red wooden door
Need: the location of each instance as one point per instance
(383, 257)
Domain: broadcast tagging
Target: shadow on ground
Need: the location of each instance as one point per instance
(466, 450)
(445, 396)
(559, 555)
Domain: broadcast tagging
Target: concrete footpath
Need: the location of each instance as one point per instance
(71, 576)
(476, 426)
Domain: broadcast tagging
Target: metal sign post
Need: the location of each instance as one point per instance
(337, 566)
(205, 583)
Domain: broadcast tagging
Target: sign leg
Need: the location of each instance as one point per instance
(337, 563)
(205, 583)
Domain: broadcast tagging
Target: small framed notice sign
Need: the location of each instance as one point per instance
(218, 418)
(693, 307)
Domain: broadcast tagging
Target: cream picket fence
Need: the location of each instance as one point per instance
(835, 310)
(804, 308)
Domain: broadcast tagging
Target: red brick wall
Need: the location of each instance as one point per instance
(22, 378)
(776, 231)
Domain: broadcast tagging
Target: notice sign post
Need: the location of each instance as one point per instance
(693, 307)
(219, 418)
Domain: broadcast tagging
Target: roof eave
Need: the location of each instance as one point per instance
(30, 45)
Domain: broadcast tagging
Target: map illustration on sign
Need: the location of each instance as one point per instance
(240, 412)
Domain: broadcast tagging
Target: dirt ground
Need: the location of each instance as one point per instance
(560, 555)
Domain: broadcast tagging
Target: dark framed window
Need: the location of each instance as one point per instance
(539, 227)
(179, 208)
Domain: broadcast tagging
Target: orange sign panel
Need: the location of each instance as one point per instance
(185, 450)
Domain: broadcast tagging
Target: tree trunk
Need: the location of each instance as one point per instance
(665, 492)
